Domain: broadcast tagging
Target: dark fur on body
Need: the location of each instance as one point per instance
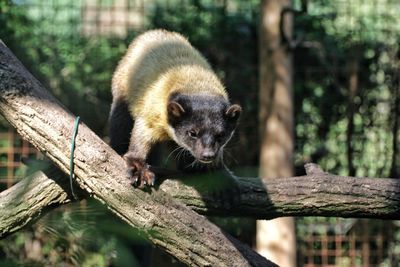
(121, 124)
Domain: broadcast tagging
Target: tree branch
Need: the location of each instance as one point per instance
(317, 194)
(33, 197)
(39, 118)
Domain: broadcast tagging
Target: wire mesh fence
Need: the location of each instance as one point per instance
(12, 149)
(347, 242)
(65, 43)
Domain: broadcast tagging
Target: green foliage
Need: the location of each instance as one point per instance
(344, 32)
(76, 68)
(76, 235)
(337, 33)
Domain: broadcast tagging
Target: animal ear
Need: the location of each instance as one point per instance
(175, 109)
(233, 112)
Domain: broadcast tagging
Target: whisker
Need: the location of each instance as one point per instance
(229, 154)
(180, 154)
(193, 164)
(220, 157)
(170, 154)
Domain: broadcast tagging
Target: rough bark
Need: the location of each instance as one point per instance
(317, 194)
(312, 195)
(276, 238)
(39, 118)
(29, 199)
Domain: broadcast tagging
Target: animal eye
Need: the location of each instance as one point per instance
(192, 134)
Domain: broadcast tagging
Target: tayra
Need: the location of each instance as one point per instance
(164, 89)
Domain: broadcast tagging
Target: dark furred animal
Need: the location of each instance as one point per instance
(164, 89)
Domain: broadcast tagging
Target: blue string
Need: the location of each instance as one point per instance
(71, 162)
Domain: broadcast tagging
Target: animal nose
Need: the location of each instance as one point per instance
(208, 155)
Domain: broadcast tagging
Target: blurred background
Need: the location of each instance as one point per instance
(345, 63)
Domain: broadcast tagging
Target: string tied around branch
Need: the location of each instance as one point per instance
(71, 162)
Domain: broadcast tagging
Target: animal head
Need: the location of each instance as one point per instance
(202, 124)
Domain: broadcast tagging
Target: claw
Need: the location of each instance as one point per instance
(139, 173)
(153, 180)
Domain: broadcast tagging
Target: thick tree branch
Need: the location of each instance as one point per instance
(40, 119)
(31, 198)
(317, 194)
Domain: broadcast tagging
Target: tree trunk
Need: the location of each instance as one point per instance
(394, 171)
(351, 109)
(39, 118)
(276, 238)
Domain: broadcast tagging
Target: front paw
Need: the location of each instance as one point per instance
(138, 172)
